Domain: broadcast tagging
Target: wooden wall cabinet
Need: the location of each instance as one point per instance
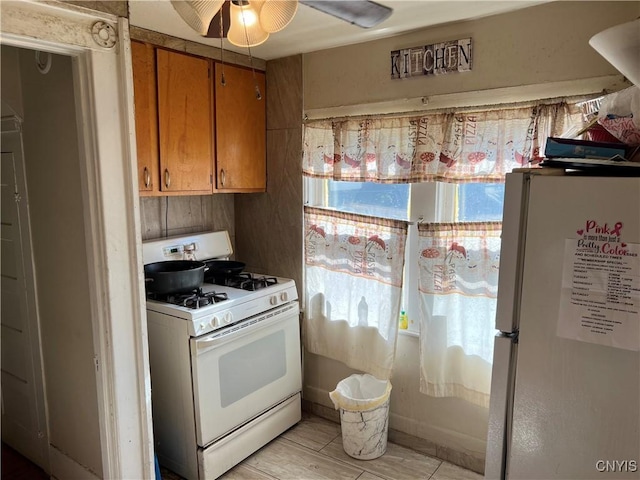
(146, 115)
(241, 134)
(185, 122)
(183, 135)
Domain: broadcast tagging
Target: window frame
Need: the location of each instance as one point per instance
(429, 202)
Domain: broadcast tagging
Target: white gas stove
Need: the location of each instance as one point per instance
(242, 296)
(225, 361)
(236, 305)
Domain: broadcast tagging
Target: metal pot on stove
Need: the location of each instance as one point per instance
(174, 276)
(220, 270)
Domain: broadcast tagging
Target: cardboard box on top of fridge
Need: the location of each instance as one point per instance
(569, 148)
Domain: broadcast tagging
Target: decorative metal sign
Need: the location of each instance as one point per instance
(436, 59)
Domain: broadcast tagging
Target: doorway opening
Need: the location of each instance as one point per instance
(102, 100)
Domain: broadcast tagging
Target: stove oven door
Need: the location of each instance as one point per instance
(244, 370)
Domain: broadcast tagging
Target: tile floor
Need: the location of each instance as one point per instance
(312, 449)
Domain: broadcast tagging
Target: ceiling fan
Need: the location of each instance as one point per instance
(247, 23)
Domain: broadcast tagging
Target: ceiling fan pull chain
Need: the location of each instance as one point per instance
(253, 72)
(223, 82)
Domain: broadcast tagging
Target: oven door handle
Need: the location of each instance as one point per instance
(203, 344)
(209, 342)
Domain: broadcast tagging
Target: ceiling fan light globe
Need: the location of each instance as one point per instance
(242, 15)
(277, 14)
(197, 13)
(249, 17)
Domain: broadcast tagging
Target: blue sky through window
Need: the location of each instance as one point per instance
(377, 199)
(479, 202)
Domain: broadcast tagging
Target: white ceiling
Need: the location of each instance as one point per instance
(311, 30)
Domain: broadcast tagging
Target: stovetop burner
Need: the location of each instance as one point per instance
(194, 299)
(246, 281)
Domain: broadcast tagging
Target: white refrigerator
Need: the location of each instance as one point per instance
(565, 390)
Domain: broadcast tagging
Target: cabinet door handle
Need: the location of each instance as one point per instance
(167, 178)
(222, 177)
(147, 178)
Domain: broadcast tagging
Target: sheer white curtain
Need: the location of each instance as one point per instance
(353, 278)
(457, 324)
(458, 284)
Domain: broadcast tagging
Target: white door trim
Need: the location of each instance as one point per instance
(104, 104)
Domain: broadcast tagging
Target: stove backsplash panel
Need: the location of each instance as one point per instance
(187, 214)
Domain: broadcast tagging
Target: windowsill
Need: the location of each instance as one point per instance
(408, 333)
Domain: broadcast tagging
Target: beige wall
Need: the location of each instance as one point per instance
(546, 43)
(60, 256)
(114, 7)
(269, 225)
(11, 88)
(542, 44)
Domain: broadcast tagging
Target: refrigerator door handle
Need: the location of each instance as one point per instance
(511, 391)
(514, 227)
(501, 405)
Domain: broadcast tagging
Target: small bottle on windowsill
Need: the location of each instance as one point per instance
(403, 324)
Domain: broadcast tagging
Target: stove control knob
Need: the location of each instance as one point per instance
(202, 326)
(284, 296)
(214, 322)
(228, 318)
(273, 300)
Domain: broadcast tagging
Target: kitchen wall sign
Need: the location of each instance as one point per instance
(436, 59)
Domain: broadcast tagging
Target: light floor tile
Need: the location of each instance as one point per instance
(312, 449)
(286, 460)
(245, 472)
(448, 471)
(313, 432)
(369, 476)
(397, 463)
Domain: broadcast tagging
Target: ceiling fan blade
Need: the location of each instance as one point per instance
(363, 13)
(214, 26)
(197, 13)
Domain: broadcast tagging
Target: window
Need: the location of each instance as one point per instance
(428, 202)
(470, 202)
(467, 202)
(365, 198)
(477, 202)
(453, 228)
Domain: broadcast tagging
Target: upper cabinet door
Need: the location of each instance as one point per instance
(185, 123)
(146, 115)
(240, 130)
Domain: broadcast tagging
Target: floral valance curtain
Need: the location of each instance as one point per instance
(480, 146)
(353, 278)
(458, 283)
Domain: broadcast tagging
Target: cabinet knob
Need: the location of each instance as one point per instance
(147, 178)
(167, 178)
(222, 177)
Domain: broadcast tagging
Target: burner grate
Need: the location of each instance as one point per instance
(247, 281)
(194, 299)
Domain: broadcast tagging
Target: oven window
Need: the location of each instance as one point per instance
(251, 367)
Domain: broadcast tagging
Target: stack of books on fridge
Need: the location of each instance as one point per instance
(585, 154)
